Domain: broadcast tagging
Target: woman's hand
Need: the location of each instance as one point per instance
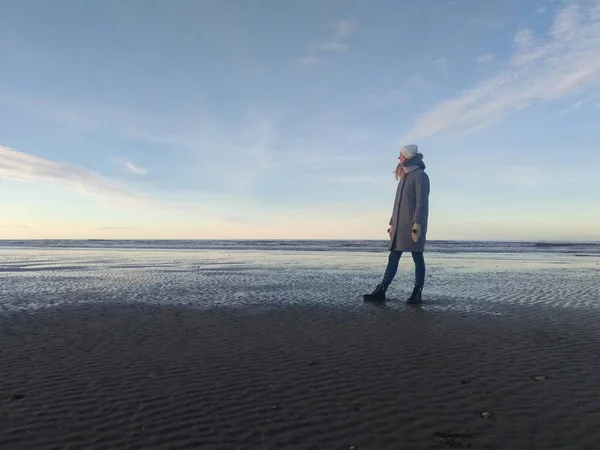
(390, 233)
(416, 232)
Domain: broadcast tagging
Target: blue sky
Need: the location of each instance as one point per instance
(283, 119)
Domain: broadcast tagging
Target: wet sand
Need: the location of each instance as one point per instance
(474, 283)
(134, 377)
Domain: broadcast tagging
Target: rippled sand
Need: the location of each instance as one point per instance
(133, 377)
(255, 350)
(483, 283)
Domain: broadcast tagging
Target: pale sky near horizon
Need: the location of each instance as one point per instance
(283, 119)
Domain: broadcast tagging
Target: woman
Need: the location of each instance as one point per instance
(408, 225)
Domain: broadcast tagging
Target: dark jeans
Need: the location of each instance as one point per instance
(392, 268)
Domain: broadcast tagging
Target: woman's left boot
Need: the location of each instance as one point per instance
(415, 297)
(378, 295)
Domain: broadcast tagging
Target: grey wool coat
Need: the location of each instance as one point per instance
(411, 205)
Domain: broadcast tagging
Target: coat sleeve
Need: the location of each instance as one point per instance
(422, 206)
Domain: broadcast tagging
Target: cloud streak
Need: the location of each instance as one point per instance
(308, 60)
(564, 62)
(135, 169)
(252, 139)
(16, 165)
(418, 82)
(342, 29)
(485, 59)
(576, 106)
(441, 64)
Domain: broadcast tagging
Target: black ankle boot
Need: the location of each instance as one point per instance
(415, 297)
(378, 295)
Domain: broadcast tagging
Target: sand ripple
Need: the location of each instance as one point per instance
(128, 378)
(473, 283)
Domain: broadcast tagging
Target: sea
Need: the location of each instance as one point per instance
(470, 277)
(579, 248)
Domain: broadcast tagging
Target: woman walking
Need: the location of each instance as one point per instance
(408, 225)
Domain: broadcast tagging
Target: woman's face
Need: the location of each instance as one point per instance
(402, 158)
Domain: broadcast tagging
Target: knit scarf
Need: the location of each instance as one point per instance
(414, 163)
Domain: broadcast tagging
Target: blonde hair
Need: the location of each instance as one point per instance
(398, 173)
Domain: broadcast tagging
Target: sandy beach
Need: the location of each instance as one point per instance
(136, 377)
(215, 349)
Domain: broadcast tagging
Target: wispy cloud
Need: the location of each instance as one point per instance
(252, 140)
(565, 62)
(546, 7)
(344, 28)
(333, 46)
(341, 30)
(440, 63)
(135, 169)
(16, 165)
(308, 60)
(576, 106)
(485, 59)
(418, 82)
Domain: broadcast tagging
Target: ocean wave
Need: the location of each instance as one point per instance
(579, 248)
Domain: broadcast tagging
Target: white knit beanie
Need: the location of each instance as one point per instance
(409, 151)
